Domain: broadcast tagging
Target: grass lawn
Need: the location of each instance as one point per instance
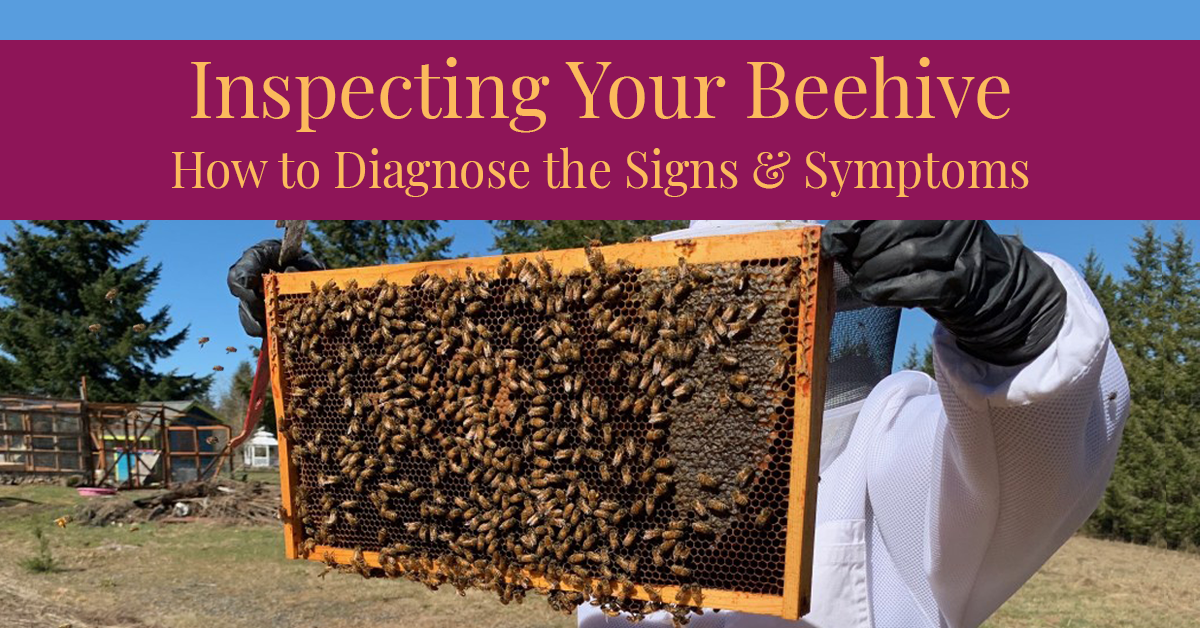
(199, 575)
(266, 476)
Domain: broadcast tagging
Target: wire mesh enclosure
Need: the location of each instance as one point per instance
(107, 444)
(631, 424)
(43, 437)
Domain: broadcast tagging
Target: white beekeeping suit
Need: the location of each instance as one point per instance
(942, 498)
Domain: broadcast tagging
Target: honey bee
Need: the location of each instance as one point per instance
(744, 476)
(684, 390)
(764, 518)
(717, 506)
(755, 310)
(707, 482)
(595, 257)
(612, 293)
(647, 475)
(685, 323)
(779, 371)
(739, 380)
(745, 400)
(647, 453)
(790, 268)
(614, 373)
(681, 571)
(740, 499)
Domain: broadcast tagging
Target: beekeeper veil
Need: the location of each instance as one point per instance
(862, 343)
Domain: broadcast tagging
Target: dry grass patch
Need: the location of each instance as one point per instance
(199, 575)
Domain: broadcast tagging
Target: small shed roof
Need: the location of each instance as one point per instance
(189, 412)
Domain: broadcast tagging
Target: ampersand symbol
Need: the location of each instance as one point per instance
(774, 174)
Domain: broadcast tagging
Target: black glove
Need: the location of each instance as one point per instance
(1000, 300)
(245, 280)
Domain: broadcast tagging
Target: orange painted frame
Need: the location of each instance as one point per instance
(815, 322)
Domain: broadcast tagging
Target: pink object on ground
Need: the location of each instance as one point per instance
(95, 491)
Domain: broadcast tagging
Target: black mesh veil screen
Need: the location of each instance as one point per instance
(862, 345)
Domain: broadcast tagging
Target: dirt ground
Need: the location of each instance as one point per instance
(200, 574)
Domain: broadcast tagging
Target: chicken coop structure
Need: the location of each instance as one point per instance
(48, 437)
(111, 444)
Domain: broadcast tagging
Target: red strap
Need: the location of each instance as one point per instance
(262, 376)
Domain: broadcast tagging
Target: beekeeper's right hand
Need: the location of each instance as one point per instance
(245, 280)
(1001, 301)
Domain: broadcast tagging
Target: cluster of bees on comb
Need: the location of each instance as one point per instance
(598, 434)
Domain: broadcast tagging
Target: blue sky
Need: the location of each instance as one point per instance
(615, 19)
(196, 256)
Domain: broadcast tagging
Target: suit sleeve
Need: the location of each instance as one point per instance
(1021, 458)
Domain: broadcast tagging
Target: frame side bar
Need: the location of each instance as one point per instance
(289, 475)
(816, 320)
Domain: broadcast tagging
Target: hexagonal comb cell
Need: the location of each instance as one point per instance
(570, 421)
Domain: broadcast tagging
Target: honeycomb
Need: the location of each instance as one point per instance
(608, 429)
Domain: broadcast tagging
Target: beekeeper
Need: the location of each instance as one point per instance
(938, 500)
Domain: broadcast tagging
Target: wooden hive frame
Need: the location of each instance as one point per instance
(814, 324)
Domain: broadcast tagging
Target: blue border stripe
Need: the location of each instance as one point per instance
(614, 19)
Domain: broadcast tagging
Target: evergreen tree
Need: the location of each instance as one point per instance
(1152, 312)
(351, 243)
(523, 236)
(1100, 281)
(919, 360)
(75, 311)
(6, 373)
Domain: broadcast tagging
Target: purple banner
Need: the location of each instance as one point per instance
(464, 129)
